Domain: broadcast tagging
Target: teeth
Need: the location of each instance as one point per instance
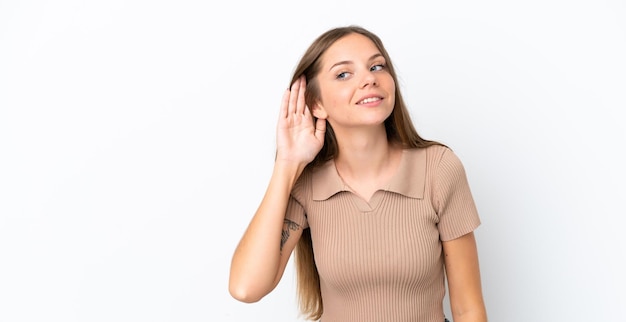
(369, 100)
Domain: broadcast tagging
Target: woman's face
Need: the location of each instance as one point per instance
(356, 89)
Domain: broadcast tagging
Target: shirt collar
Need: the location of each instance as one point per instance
(409, 180)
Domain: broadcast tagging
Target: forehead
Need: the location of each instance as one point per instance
(350, 48)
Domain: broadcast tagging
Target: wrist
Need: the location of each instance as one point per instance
(289, 170)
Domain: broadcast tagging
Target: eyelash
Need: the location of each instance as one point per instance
(382, 66)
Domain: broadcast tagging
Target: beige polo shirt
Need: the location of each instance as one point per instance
(381, 260)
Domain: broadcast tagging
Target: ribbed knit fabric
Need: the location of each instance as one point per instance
(381, 260)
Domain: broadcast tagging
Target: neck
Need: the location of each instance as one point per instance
(364, 153)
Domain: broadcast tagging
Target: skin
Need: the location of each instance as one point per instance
(259, 262)
(352, 69)
(463, 274)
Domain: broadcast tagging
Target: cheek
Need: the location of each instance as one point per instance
(392, 89)
(336, 97)
(343, 96)
(391, 84)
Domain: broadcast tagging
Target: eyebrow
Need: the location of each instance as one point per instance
(346, 62)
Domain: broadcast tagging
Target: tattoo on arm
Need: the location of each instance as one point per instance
(288, 225)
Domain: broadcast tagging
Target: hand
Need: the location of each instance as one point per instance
(298, 139)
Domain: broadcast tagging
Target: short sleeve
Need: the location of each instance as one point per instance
(295, 213)
(453, 199)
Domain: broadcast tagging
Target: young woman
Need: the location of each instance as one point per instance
(379, 216)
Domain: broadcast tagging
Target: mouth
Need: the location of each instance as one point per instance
(369, 100)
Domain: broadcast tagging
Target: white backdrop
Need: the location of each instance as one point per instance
(137, 138)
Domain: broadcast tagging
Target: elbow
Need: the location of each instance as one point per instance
(249, 287)
(245, 293)
(242, 295)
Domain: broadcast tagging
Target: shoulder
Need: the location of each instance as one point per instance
(315, 182)
(437, 161)
(433, 155)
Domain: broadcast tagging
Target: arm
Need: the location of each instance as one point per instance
(463, 274)
(263, 252)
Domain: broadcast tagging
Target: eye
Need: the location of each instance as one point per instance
(342, 75)
(377, 67)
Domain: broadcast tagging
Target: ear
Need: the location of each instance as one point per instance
(318, 111)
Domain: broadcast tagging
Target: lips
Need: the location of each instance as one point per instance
(369, 100)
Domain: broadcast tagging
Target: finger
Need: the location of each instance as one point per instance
(320, 129)
(301, 102)
(307, 113)
(284, 105)
(293, 96)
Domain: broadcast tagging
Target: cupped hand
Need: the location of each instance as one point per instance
(298, 137)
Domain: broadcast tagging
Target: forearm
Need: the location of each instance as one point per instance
(256, 260)
(469, 307)
(474, 315)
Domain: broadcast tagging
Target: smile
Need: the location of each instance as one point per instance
(369, 100)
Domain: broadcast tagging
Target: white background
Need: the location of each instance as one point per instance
(137, 138)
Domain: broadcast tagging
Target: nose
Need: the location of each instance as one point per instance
(369, 79)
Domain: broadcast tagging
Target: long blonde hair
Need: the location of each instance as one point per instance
(399, 128)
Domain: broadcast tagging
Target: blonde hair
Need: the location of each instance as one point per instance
(399, 128)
